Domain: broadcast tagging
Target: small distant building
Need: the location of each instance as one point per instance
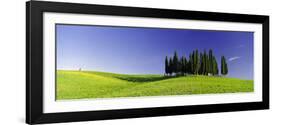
(80, 69)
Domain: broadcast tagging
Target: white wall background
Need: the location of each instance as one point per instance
(12, 62)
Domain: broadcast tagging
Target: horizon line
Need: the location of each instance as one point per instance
(141, 74)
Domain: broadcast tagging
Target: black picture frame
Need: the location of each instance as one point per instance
(34, 61)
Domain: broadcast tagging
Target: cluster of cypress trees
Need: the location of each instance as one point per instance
(198, 64)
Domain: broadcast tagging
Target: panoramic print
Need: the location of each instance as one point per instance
(115, 61)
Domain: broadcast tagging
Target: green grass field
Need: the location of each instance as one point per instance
(90, 84)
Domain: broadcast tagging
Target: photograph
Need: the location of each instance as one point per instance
(95, 61)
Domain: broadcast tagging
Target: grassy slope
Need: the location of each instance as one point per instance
(77, 85)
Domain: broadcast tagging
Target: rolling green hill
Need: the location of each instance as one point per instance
(90, 84)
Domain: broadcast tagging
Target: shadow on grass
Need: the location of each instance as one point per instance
(144, 78)
(138, 78)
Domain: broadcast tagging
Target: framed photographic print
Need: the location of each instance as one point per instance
(95, 62)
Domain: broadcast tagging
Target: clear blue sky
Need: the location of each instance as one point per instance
(132, 50)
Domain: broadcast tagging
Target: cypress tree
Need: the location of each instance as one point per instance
(170, 66)
(189, 69)
(205, 64)
(185, 66)
(224, 69)
(201, 64)
(197, 62)
(211, 62)
(182, 67)
(175, 63)
(194, 62)
(215, 66)
(222, 65)
(191, 63)
(166, 65)
(179, 66)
